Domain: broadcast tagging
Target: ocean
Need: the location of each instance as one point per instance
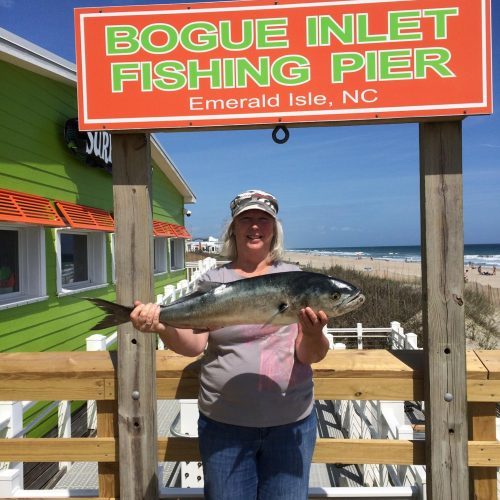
(477, 254)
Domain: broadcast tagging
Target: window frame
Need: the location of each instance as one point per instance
(31, 264)
(177, 252)
(160, 254)
(96, 262)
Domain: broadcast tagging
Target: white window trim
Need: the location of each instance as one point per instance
(113, 258)
(179, 254)
(96, 254)
(160, 253)
(32, 266)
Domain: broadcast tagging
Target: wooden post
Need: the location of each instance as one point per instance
(443, 309)
(136, 351)
(108, 472)
(482, 427)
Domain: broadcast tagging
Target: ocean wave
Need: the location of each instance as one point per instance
(402, 254)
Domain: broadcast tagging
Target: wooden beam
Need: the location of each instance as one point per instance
(351, 374)
(443, 309)
(136, 351)
(328, 450)
(482, 426)
(107, 426)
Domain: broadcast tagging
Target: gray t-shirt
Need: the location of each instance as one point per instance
(250, 375)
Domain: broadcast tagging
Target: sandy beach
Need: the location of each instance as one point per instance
(406, 271)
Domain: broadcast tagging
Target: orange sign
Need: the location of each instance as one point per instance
(264, 62)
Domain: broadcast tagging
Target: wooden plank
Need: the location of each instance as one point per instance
(483, 390)
(443, 309)
(187, 388)
(476, 370)
(51, 389)
(482, 427)
(56, 365)
(369, 451)
(107, 426)
(58, 450)
(367, 389)
(134, 280)
(484, 454)
(491, 362)
(328, 450)
(399, 377)
(377, 363)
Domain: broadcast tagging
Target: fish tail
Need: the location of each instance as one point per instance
(116, 314)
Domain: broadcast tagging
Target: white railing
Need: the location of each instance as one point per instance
(394, 336)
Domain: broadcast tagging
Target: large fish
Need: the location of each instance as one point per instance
(275, 298)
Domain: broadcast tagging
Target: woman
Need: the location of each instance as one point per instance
(257, 427)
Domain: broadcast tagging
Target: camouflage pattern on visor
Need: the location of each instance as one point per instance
(254, 200)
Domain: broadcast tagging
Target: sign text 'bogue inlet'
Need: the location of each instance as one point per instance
(262, 63)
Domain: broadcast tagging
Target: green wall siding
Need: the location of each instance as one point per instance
(35, 159)
(168, 203)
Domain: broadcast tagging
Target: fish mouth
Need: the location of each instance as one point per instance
(351, 303)
(354, 302)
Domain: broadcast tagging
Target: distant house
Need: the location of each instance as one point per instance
(209, 245)
(56, 207)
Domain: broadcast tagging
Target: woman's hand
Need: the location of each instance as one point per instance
(146, 318)
(311, 345)
(312, 323)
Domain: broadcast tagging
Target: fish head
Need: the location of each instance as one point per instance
(337, 297)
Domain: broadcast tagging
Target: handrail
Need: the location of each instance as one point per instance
(369, 374)
(342, 375)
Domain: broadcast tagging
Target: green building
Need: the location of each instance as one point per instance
(56, 203)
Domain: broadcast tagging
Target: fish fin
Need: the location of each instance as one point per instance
(206, 286)
(281, 309)
(116, 314)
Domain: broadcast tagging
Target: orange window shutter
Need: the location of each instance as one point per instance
(28, 208)
(172, 233)
(160, 229)
(169, 230)
(83, 217)
(181, 231)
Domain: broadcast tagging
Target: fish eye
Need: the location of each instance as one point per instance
(336, 296)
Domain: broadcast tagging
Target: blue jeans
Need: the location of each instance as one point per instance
(264, 463)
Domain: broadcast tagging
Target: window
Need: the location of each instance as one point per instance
(160, 255)
(9, 262)
(22, 265)
(74, 259)
(81, 260)
(176, 254)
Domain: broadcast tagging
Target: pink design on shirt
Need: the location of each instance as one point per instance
(277, 357)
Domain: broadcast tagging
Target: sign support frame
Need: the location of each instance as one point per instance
(137, 412)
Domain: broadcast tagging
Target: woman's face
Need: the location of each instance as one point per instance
(254, 231)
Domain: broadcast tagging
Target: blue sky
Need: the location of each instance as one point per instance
(337, 186)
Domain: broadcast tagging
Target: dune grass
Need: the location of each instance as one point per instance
(389, 300)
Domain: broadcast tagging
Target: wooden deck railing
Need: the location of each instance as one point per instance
(346, 375)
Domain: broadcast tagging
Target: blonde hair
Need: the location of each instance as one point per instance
(230, 251)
